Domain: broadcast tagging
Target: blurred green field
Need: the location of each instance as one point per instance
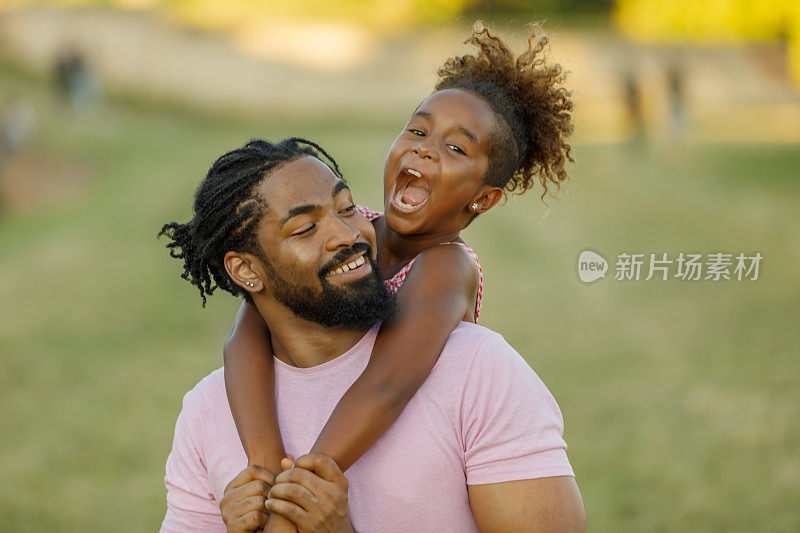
(681, 399)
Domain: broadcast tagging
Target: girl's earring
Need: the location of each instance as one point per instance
(474, 207)
(251, 284)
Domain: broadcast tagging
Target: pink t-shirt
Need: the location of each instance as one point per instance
(482, 416)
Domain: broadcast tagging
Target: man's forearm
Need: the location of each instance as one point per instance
(542, 505)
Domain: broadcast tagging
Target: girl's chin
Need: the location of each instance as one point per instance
(401, 224)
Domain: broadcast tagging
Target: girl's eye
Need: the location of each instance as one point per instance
(456, 149)
(305, 230)
(347, 210)
(418, 133)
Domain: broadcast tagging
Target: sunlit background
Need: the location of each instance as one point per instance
(681, 398)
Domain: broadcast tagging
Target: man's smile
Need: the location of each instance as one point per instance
(353, 267)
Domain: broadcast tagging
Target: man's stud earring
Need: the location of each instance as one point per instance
(474, 207)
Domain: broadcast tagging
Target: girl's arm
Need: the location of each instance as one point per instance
(250, 385)
(438, 293)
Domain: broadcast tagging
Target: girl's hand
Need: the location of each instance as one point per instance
(277, 523)
(313, 495)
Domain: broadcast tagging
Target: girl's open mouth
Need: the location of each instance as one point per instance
(410, 191)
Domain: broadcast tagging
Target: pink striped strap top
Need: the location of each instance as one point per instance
(397, 280)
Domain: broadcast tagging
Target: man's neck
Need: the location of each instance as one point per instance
(301, 343)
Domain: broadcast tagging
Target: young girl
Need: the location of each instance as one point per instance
(494, 123)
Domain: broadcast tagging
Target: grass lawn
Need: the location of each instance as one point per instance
(681, 398)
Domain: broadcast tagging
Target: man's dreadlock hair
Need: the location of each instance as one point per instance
(526, 93)
(228, 209)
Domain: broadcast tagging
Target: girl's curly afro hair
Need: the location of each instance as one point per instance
(526, 91)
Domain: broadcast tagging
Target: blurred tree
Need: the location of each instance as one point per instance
(385, 15)
(380, 13)
(708, 21)
(538, 9)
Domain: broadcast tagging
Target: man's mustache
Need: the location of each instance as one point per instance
(343, 254)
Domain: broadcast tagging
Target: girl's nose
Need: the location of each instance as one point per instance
(422, 151)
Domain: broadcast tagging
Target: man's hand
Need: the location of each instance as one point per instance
(313, 495)
(243, 504)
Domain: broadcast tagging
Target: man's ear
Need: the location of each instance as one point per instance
(486, 198)
(242, 269)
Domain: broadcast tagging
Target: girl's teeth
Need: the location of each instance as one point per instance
(400, 202)
(414, 172)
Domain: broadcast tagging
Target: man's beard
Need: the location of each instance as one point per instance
(359, 304)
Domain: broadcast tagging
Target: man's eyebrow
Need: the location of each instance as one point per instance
(338, 188)
(299, 210)
(423, 114)
(303, 209)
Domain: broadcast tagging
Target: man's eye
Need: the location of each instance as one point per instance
(456, 149)
(304, 230)
(348, 209)
(418, 133)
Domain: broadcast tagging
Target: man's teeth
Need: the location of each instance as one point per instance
(414, 172)
(349, 266)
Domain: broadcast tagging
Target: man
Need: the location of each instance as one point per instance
(479, 447)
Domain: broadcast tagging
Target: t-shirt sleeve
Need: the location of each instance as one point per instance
(190, 503)
(512, 428)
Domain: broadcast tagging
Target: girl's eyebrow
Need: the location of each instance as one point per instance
(468, 134)
(458, 127)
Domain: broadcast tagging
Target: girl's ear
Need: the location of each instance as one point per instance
(486, 198)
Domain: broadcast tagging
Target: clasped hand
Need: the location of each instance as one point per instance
(311, 493)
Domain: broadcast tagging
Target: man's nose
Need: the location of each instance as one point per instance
(342, 234)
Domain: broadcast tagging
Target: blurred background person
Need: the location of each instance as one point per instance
(74, 80)
(17, 125)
